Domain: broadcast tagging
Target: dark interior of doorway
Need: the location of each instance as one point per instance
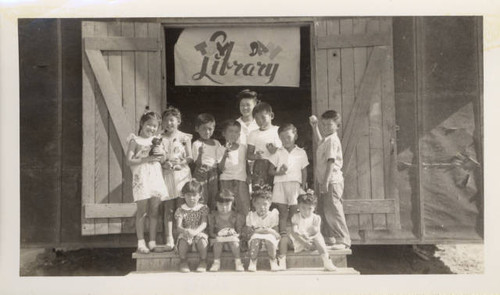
(290, 104)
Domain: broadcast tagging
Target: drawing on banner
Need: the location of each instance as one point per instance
(264, 56)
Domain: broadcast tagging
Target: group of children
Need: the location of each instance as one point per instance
(212, 206)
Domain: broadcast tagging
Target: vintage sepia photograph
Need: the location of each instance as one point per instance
(259, 150)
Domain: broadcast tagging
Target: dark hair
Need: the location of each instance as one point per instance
(172, 111)
(225, 196)
(331, 115)
(247, 94)
(203, 118)
(229, 123)
(148, 115)
(262, 194)
(307, 198)
(286, 127)
(262, 107)
(193, 186)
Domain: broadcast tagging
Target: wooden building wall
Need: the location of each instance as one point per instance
(436, 77)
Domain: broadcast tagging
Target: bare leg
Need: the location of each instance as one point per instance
(154, 206)
(283, 245)
(201, 245)
(254, 249)
(235, 248)
(319, 243)
(168, 220)
(271, 249)
(183, 248)
(217, 250)
(283, 217)
(140, 215)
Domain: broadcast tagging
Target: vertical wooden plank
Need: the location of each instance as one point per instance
(141, 74)
(115, 148)
(88, 132)
(377, 163)
(347, 75)
(101, 145)
(154, 71)
(334, 78)
(389, 129)
(128, 91)
(163, 68)
(363, 146)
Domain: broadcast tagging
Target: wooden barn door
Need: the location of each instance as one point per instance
(122, 74)
(354, 75)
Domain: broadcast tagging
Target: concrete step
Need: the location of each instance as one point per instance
(291, 271)
(169, 261)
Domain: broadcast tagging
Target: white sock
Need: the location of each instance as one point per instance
(152, 244)
(141, 243)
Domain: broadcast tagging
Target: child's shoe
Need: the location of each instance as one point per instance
(274, 265)
(169, 246)
(252, 266)
(238, 265)
(327, 263)
(183, 266)
(216, 265)
(152, 245)
(141, 247)
(282, 262)
(337, 247)
(202, 267)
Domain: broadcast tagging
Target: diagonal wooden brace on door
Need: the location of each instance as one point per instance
(111, 96)
(362, 102)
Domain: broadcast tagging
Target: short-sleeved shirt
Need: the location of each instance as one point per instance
(191, 217)
(271, 220)
(296, 160)
(235, 167)
(216, 222)
(306, 225)
(246, 129)
(329, 148)
(260, 138)
(211, 153)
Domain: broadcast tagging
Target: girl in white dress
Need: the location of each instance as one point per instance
(306, 235)
(264, 224)
(176, 172)
(148, 187)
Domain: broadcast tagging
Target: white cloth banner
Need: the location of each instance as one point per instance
(254, 56)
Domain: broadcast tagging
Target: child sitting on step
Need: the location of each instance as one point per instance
(191, 220)
(224, 227)
(264, 226)
(306, 233)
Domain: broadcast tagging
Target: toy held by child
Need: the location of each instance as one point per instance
(191, 219)
(264, 225)
(289, 167)
(306, 234)
(148, 187)
(234, 168)
(262, 143)
(224, 227)
(206, 152)
(177, 147)
(330, 180)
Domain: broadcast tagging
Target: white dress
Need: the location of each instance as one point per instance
(271, 220)
(175, 149)
(305, 226)
(147, 178)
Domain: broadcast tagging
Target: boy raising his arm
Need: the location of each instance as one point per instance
(330, 180)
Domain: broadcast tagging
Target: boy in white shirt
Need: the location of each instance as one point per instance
(330, 180)
(289, 168)
(262, 143)
(233, 167)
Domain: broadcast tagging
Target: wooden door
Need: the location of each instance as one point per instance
(354, 75)
(122, 74)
